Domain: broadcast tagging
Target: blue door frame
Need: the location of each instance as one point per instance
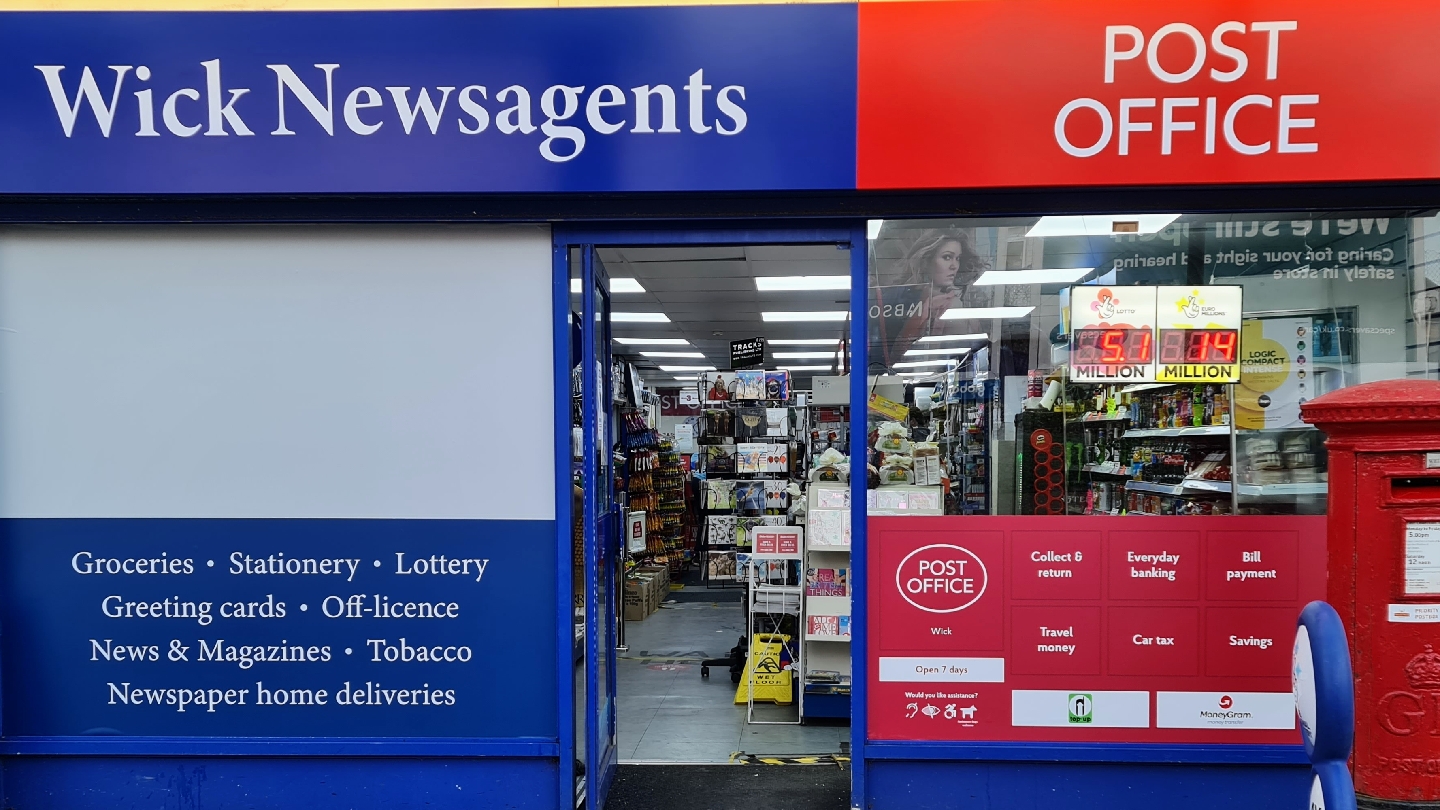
(922, 776)
(600, 535)
(848, 235)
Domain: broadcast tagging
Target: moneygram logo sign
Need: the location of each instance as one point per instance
(941, 578)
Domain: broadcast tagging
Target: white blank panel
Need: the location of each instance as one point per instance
(276, 371)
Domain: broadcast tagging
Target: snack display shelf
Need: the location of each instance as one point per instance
(1281, 490)
(1187, 487)
(1091, 418)
(1203, 430)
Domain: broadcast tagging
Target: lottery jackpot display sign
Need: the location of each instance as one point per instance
(1186, 334)
(1112, 334)
(1198, 334)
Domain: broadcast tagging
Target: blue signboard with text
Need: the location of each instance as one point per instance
(278, 628)
(496, 100)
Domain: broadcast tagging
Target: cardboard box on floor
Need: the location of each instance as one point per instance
(645, 589)
(636, 600)
(659, 576)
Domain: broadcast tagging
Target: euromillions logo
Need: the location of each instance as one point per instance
(1189, 306)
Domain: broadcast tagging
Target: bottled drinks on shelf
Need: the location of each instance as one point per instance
(1160, 450)
(1171, 461)
(1181, 406)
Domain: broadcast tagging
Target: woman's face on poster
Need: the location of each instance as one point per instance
(945, 264)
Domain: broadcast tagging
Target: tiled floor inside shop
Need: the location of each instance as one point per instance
(667, 712)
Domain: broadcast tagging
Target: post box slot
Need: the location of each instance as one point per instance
(1416, 489)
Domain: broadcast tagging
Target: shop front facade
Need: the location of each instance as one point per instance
(306, 348)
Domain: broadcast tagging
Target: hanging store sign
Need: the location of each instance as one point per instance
(1198, 334)
(749, 353)
(1112, 334)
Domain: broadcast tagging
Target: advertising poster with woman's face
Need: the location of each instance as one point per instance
(918, 274)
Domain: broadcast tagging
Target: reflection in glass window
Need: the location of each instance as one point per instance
(969, 328)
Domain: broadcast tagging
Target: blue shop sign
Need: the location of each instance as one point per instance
(522, 100)
(278, 628)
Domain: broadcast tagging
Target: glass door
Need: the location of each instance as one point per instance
(601, 527)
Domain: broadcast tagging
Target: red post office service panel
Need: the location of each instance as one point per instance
(990, 93)
(1103, 629)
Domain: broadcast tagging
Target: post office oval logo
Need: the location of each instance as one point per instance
(941, 578)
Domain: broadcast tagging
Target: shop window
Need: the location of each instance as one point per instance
(970, 331)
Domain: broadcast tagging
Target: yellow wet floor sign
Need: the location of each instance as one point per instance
(764, 672)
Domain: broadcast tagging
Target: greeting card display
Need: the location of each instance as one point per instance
(829, 527)
(775, 495)
(720, 530)
(749, 384)
(777, 421)
(777, 458)
(721, 565)
(750, 496)
(827, 582)
(750, 423)
(720, 458)
(777, 385)
(751, 457)
(719, 386)
(719, 493)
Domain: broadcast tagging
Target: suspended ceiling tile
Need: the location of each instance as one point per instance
(670, 254)
(692, 284)
(695, 271)
(834, 266)
(794, 252)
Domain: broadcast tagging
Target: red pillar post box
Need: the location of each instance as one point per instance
(1384, 579)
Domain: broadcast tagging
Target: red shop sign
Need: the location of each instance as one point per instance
(1055, 92)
